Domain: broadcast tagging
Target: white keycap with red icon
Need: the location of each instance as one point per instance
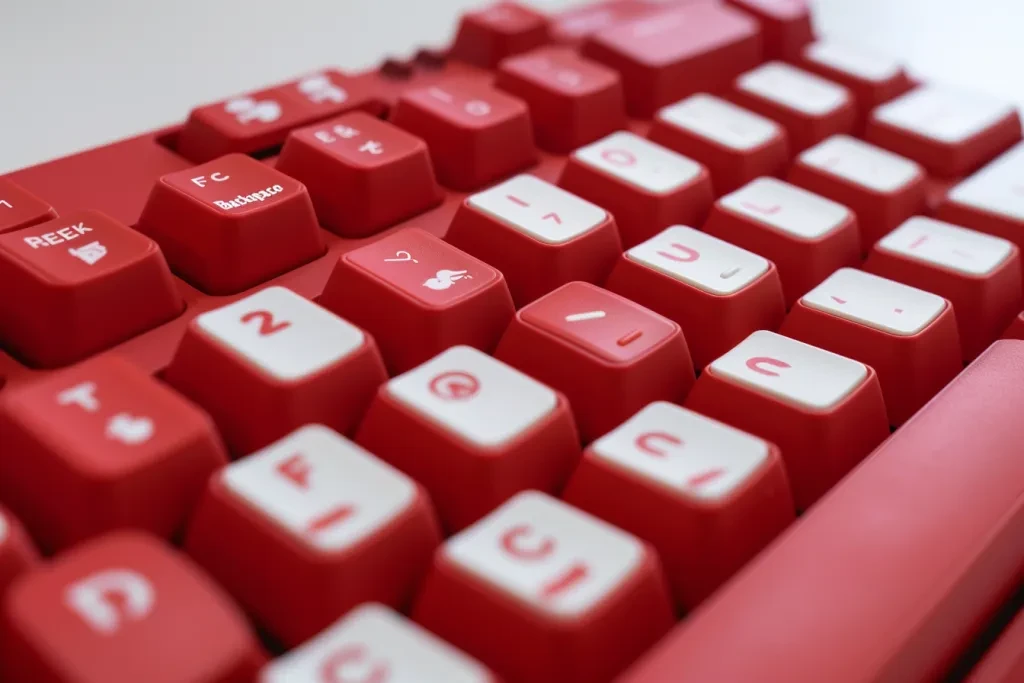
(295, 361)
(375, 644)
(537, 568)
(457, 421)
(314, 505)
(823, 410)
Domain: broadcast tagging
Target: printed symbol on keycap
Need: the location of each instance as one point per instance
(372, 146)
(106, 599)
(477, 108)
(446, 278)
(726, 274)
(767, 210)
(246, 110)
(268, 325)
(551, 215)
(91, 253)
(619, 157)
(82, 395)
(699, 480)
(319, 88)
(589, 315)
(295, 469)
(758, 363)
(329, 519)
(837, 299)
(686, 254)
(657, 443)
(629, 337)
(349, 664)
(401, 256)
(216, 176)
(129, 430)
(455, 385)
(4, 202)
(442, 95)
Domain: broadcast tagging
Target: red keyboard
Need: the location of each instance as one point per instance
(646, 342)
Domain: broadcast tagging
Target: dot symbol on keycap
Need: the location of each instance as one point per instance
(445, 279)
(646, 442)
(629, 338)
(767, 210)
(455, 385)
(726, 274)
(837, 299)
(589, 315)
(704, 477)
(757, 364)
(82, 395)
(246, 110)
(686, 254)
(401, 256)
(619, 157)
(334, 666)
(107, 598)
(129, 429)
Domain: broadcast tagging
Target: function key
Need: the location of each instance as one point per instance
(707, 497)
(375, 644)
(476, 134)
(572, 100)
(608, 355)
(785, 25)
(716, 292)
(78, 285)
(644, 185)
(991, 200)
(125, 608)
(17, 552)
(363, 174)
(20, 209)
(258, 121)
(809, 107)
(979, 274)
(537, 234)
(103, 445)
(667, 55)
(882, 188)
(418, 295)
(473, 431)
(294, 361)
(232, 223)
(537, 572)
(907, 335)
(823, 410)
(805, 235)
(312, 505)
(948, 131)
(487, 36)
(736, 145)
(872, 78)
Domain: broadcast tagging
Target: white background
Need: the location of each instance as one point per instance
(79, 73)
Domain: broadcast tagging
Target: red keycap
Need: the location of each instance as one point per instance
(309, 527)
(808, 237)
(373, 644)
(572, 100)
(947, 131)
(1016, 328)
(893, 574)
(78, 285)
(665, 56)
(418, 295)
(538, 235)
(735, 145)
(824, 411)
(979, 274)
(907, 335)
(363, 174)
(535, 572)
(487, 36)
(991, 200)
(473, 431)
(1004, 661)
(785, 25)
(883, 189)
(100, 446)
(17, 553)
(707, 497)
(232, 223)
(645, 186)
(124, 608)
(808, 106)
(716, 292)
(476, 134)
(258, 121)
(19, 209)
(272, 362)
(576, 23)
(608, 355)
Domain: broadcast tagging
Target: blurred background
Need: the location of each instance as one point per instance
(75, 74)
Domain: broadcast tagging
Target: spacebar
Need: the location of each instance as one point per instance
(889, 576)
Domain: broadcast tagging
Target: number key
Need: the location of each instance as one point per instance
(19, 209)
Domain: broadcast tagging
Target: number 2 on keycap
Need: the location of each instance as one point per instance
(267, 324)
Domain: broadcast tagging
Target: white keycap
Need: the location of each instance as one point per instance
(791, 370)
(862, 163)
(676, 447)
(286, 335)
(853, 61)
(875, 301)
(943, 114)
(547, 554)
(945, 244)
(372, 639)
(794, 88)
(699, 259)
(721, 121)
(786, 207)
(475, 395)
(639, 162)
(998, 187)
(539, 209)
(321, 487)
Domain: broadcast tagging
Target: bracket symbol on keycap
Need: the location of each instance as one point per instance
(644, 442)
(454, 385)
(756, 364)
(689, 254)
(337, 663)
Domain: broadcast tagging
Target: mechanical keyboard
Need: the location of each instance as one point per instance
(642, 342)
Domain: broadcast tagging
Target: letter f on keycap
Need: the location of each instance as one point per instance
(105, 599)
